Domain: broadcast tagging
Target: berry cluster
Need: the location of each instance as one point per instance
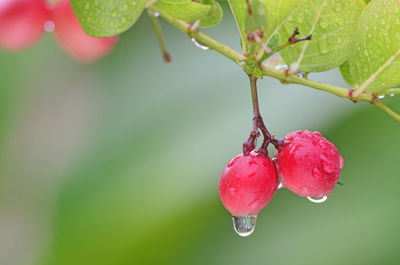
(305, 162)
(23, 22)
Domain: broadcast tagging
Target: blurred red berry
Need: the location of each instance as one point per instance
(309, 165)
(247, 184)
(73, 39)
(21, 23)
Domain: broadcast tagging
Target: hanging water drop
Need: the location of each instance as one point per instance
(49, 26)
(280, 186)
(244, 225)
(198, 45)
(317, 200)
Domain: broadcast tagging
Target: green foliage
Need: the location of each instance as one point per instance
(103, 18)
(374, 64)
(185, 10)
(208, 12)
(268, 16)
(331, 24)
(213, 16)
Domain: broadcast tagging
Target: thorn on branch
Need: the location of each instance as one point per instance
(194, 27)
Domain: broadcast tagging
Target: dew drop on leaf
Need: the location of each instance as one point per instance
(244, 225)
(323, 45)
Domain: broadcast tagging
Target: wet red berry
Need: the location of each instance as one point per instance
(73, 39)
(247, 184)
(309, 165)
(21, 23)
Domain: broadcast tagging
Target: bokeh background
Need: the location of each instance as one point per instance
(117, 163)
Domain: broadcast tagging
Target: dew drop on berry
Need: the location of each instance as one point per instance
(341, 162)
(316, 173)
(328, 167)
(244, 225)
(317, 200)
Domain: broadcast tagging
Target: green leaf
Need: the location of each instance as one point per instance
(213, 16)
(185, 10)
(374, 64)
(331, 23)
(104, 18)
(239, 11)
(269, 16)
(345, 71)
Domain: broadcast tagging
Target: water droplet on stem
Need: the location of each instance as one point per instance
(198, 45)
(244, 225)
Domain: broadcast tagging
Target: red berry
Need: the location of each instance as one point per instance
(309, 165)
(73, 39)
(247, 184)
(21, 23)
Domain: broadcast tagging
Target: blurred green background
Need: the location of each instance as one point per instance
(117, 163)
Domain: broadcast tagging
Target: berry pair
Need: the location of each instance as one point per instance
(23, 22)
(306, 163)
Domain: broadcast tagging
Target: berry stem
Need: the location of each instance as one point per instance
(159, 33)
(258, 124)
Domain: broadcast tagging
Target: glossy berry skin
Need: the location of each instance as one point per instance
(21, 23)
(309, 165)
(247, 184)
(73, 39)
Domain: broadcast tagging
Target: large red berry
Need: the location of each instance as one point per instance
(247, 184)
(21, 23)
(309, 165)
(73, 39)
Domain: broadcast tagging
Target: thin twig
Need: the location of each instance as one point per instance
(386, 109)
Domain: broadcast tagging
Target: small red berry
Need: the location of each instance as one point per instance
(309, 165)
(21, 23)
(246, 186)
(73, 39)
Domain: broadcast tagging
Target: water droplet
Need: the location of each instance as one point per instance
(244, 225)
(49, 26)
(341, 162)
(301, 74)
(328, 167)
(316, 173)
(323, 45)
(280, 186)
(233, 161)
(324, 23)
(198, 45)
(392, 95)
(381, 97)
(317, 200)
